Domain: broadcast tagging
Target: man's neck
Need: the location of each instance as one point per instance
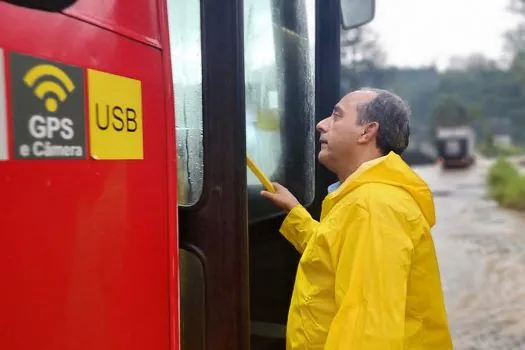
(354, 165)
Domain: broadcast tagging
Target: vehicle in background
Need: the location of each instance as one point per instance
(456, 146)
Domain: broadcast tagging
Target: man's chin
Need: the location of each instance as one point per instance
(322, 157)
(326, 160)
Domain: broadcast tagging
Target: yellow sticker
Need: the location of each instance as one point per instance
(115, 116)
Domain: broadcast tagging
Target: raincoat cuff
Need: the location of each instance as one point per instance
(296, 226)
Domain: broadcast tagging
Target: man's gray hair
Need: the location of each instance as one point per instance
(393, 116)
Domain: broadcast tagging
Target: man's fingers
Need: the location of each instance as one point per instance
(268, 195)
(277, 186)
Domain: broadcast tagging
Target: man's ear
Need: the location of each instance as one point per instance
(369, 132)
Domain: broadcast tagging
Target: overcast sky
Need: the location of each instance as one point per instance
(420, 32)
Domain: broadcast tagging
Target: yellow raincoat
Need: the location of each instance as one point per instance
(368, 277)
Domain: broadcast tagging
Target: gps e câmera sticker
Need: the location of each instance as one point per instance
(47, 109)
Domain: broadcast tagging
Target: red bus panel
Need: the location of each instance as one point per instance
(137, 18)
(84, 255)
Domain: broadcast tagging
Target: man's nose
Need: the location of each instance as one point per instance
(322, 125)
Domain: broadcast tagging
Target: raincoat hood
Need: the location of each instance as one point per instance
(390, 170)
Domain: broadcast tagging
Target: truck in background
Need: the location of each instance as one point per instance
(456, 146)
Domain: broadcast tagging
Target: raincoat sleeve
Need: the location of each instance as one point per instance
(299, 227)
(371, 283)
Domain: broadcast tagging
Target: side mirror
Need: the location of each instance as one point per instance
(356, 13)
(44, 5)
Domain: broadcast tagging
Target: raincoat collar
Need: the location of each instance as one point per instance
(391, 170)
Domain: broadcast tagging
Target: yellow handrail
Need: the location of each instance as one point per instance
(260, 175)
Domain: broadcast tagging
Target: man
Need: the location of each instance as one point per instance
(368, 277)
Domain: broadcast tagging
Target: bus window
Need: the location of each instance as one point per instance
(186, 59)
(279, 82)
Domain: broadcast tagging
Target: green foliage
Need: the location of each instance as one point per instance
(491, 150)
(506, 185)
(450, 111)
(496, 93)
(472, 95)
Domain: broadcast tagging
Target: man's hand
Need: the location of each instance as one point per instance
(281, 198)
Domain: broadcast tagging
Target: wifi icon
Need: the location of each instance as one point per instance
(37, 78)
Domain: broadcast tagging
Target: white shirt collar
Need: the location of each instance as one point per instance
(333, 187)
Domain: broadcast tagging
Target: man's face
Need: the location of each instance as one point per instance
(341, 133)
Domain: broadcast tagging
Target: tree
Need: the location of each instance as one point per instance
(515, 40)
(361, 54)
(450, 111)
(360, 49)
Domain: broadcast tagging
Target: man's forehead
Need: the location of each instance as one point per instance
(356, 97)
(351, 99)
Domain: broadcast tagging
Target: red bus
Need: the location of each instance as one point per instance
(128, 218)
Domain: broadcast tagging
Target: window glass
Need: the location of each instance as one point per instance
(186, 59)
(279, 76)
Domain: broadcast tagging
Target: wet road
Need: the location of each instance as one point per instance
(481, 251)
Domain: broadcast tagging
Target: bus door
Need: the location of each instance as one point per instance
(207, 69)
(251, 78)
